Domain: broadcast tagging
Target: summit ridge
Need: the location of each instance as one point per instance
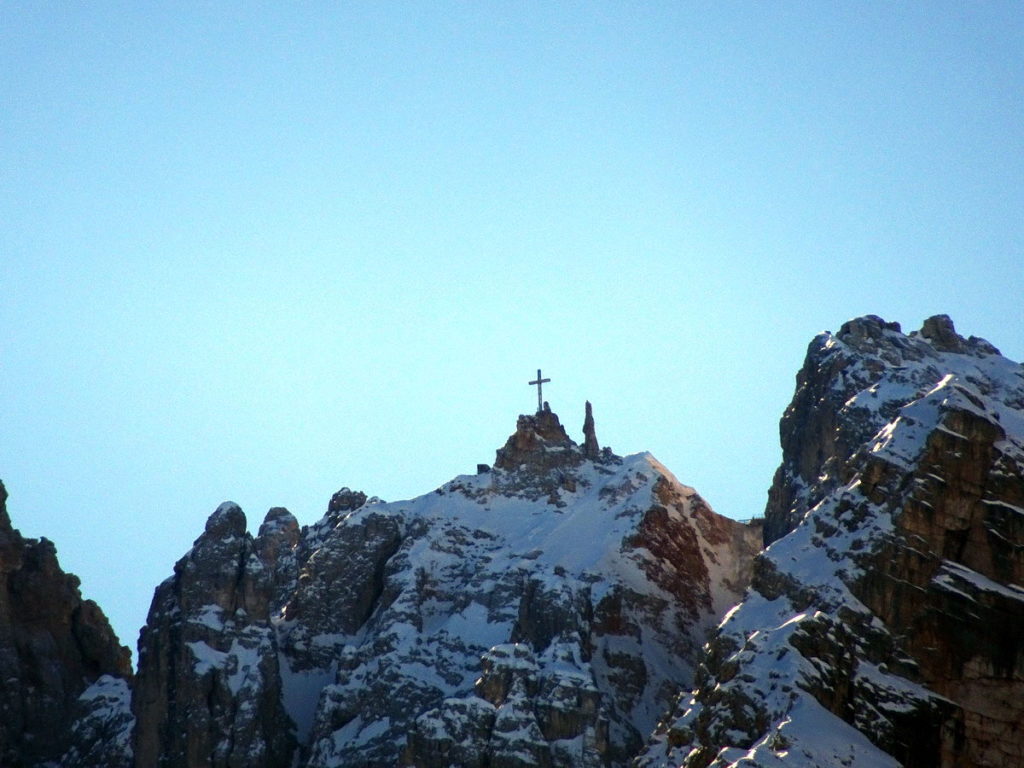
(543, 612)
(572, 608)
(885, 621)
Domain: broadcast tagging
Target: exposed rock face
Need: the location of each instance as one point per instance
(53, 644)
(340, 584)
(276, 546)
(950, 579)
(346, 500)
(543, 613)
(208, 690)
(851, 385)
(591, 448)
(885, 622)
(540, 442)
(103, 725)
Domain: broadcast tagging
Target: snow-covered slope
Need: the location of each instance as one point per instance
(885, 625)
(543, 612)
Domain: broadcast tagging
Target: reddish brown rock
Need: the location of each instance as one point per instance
(945, 584)
(53, 645)
(539, 443)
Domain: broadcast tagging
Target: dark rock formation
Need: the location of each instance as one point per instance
(884, 625)
(821, 428)
(276, 545)
(948, 580)
(851, 385)
(591, 448)
(53, 645)
(341, 582)
(101, 734)
(346, 500)
(208, 690)
(540, 460)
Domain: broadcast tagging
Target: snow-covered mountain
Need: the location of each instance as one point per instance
(885, 625)
(543, 612)
(549, 611)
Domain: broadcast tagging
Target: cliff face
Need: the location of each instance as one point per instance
(949, 580)
(850, 386)
(208, 690)
(53, 644)
(544, 613)
(886, 621)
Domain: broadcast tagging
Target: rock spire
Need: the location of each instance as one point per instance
(591, 448)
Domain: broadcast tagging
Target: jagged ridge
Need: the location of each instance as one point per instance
(884, 624)
(544, 612)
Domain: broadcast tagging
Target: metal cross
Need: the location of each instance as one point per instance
(539, 383)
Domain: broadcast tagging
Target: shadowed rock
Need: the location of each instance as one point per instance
(591, 448)
(53, 645)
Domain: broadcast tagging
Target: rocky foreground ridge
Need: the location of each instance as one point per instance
(885, 625)
(53, 645)
(548, 611)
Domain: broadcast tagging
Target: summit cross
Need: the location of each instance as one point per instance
(539, 384)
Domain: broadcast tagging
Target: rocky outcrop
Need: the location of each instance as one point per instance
(53, 645)
(524, 713)
(949, 581)
(276, 547)
(103, 723)
(591, 448)
(851, 385)
(340, 583)
(884, 623)
(346, 500)
(208, 690)
(540, 443)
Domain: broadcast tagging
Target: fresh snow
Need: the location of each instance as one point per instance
(491, 533)
(954, 577)
(905, 389)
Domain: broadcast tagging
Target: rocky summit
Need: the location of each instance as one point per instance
(570, 607)
(544, 612)
(885, 625)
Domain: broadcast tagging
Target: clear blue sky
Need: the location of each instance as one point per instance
(262, 251)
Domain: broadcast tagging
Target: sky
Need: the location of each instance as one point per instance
(262, 251)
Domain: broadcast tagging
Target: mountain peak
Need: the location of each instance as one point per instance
(540, 443)
(227, 521)
(940, 331)
(877, 629)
